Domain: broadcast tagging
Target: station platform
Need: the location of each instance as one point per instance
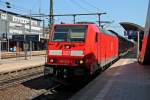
(14, 64)
(124, 80)
(5, 55)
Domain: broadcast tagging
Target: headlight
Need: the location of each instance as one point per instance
(51, 60)
(81, 61)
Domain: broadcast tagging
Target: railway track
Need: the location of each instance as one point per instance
(60, 89)
(43, 94)
(16, 77)
(55, 83)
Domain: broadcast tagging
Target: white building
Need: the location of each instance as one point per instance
(15, 24)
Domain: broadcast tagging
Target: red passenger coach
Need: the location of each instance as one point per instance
(79, 49)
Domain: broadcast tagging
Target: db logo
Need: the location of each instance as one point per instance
(67, 53)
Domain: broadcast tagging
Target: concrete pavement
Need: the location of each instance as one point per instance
(13, 64)
(125, 80)
(5, 55)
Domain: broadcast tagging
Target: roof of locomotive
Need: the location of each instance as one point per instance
(93, 25)
(72, 24)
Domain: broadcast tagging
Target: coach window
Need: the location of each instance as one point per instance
(96, 37)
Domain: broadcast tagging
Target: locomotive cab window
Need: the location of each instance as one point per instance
(69, 33)
(60, 35)
(77, 35)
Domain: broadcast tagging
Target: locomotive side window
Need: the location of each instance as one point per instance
(69, 33)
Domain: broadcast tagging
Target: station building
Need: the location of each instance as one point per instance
(17, 25)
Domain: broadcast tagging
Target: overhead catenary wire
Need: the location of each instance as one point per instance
(15, 7)
(79, 5)
(93, 6)
(90, 4)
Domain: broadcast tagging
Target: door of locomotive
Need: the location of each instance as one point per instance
(97, 40)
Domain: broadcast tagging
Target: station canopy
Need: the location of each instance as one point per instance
(133, 27)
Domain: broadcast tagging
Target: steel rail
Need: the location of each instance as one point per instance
(5, 83)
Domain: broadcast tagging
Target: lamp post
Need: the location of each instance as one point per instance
(30, 33)
(0, 52)
(7, 38)
(25, 39)
(138, 44)
(25, 43)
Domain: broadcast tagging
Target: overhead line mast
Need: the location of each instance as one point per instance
(51, 17)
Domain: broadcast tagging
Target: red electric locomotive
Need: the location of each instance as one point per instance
(79, 49)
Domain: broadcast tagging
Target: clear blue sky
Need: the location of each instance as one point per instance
(117, 10)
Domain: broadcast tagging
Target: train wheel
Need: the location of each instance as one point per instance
(89, 73)
(87, 77)
(102, 68)
(97, 70)
(91, 69)
(60, 73)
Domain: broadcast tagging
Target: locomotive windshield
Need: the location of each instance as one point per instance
(69, 34)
